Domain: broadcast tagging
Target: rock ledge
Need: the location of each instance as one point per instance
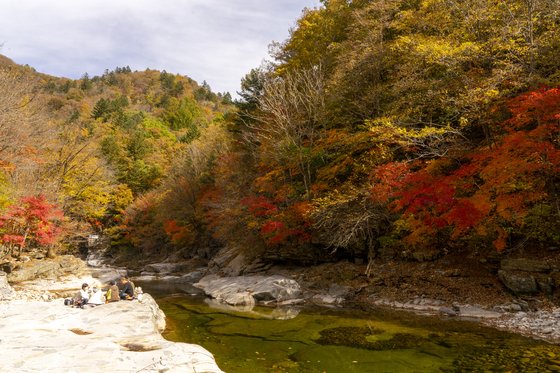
(122, 336)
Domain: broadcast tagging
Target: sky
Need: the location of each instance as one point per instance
(214, 40)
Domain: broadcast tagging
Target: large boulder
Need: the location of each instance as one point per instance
(232, 290)
(519, 282)
(116, 337)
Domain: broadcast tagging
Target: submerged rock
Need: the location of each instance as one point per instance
(121, 336)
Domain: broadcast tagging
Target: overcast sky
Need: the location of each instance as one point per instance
(214, 40)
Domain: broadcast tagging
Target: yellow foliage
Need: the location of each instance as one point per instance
(386, 130)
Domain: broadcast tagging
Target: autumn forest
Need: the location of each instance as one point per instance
(379, 130)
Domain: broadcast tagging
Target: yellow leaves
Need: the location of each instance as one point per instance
(435, 50)
(253, 225)
(386, 129)
(25, 100)
(84, 132)
(121, 197)
(5, 191)
(483, 95)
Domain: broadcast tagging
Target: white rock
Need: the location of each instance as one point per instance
(121, 336)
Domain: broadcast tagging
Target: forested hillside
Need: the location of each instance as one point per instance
(380, 130)
(395, 129)
(74, 154)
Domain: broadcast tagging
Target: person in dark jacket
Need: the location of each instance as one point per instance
(127, 290)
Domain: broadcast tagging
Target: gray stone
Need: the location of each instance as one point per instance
(477, 312)
(512, 307)
(447, 311)
(229, 261)
(192, 276)
(326, 299)
(523, 264)
(261, 288)
(519, 283)
(164, 268)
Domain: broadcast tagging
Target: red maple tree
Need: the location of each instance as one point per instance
(32, 222)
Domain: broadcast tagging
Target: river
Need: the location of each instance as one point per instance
(318, 339)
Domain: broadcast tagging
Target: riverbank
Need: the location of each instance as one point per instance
(465, 292)
(47, 336)
(460, 289)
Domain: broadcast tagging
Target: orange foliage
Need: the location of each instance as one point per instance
(177, 233)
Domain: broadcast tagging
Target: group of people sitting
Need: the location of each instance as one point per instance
(96, 297)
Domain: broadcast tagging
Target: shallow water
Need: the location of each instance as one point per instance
(338, 340)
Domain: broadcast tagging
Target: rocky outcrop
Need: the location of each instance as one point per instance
(529, 276)
(47, 289)
(246, 290)
(60, 266)
(116, 337)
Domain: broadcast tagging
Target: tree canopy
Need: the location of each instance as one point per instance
(395, 128)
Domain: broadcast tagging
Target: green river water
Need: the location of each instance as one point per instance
(347, 341)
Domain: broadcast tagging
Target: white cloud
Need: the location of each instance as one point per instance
(214, 40)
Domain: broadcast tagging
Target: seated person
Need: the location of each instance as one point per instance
(96, 297)
(82, 297)
(127, 291)
(113, 292)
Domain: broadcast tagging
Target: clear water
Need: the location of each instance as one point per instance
(335, 340)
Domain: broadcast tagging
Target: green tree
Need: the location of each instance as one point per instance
(86, 84)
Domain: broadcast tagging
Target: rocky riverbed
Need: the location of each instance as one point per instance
(39, 301)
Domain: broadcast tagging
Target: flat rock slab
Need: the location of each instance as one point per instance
(116, 337)
(477, 312)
